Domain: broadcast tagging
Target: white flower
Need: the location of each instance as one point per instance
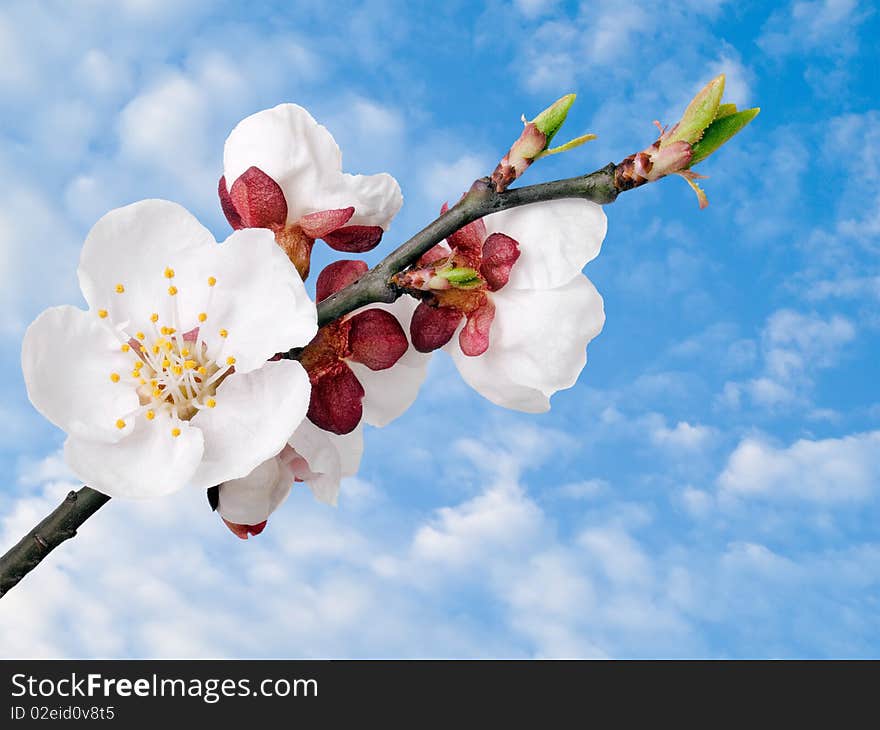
(282, 170)
(316, 457)
(361, 366)
(165, 381)
(525, 317)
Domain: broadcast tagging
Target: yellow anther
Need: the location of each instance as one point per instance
(120, 289)
(175, 432)
(177, 370)
(136, 374)
(169, 273)
(120, 424)
(154, 317)
(184, 352)
(102, 313)
(125, 347)
(211, 281)
(157, 393)
(140, 335)
(203, 316)
(114, 377)
(172, 290)
(167, 346)
(189, 364)
(154, 382)
(230, 360)
(151, 415)
(166, 363)
(202, 370)
(224, 333)
(142, 381)
(210, 403)
(155, 349)
(138, 364)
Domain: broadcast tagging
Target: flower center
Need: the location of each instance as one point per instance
(175, 373)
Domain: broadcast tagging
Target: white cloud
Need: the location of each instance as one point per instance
(585, 489)
(826, 471)
(447, 181)
(682, 436)
(535, 8)
(824, 26)
(794, 347)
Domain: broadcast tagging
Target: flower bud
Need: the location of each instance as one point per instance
(534, 142)
(704, 127)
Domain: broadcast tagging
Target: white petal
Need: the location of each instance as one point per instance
(67, 358)
(251, 499)
(327, 457)
(376, 198)
(556, 240)
(149, 462)
(132, 246)
(256, 413)
(259, 299)
(537, 344)
(351, 448)
(389, 393)
(288, 145)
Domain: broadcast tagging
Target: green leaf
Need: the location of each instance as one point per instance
(725, 110)
(461, 277)
(699, 114)
(720, 131)
(576, 142)
(553, 117)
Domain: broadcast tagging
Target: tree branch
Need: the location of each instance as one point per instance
(481, 200)
(59, 526)
(374, 286)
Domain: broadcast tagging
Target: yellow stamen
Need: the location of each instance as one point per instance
(203, 316)
(224, 333)
(102, 313)
(211, 281)
(169, 273)
(155, 349)
(202, 370)
(210, 403)
(172, 290)
(120, 424)
(154, 317)
(125, 347)
(175, 432)
(166, 363)
(189, 364)
(140, 335)
(151, 415)
(114, 377)
(230, 360)
(120, 289)
(184, 352)
(177, 370)
(157, 392)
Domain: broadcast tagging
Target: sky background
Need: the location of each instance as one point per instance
(708, 488)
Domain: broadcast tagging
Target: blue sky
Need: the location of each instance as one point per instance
(710, 485)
